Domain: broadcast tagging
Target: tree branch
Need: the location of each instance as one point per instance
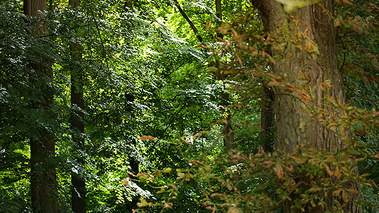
(193, 27)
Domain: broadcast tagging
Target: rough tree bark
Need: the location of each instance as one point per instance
(78, 192)
(43, 183)
(293, 125)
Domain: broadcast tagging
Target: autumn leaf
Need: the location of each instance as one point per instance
(297, 159)
(352, 191)
(125, 181)
(229, 187)
(344, 196)
(216, 194)
(143, 175)
(335, 193)
(202, 46)
(289, 169)
(314, 189)
(337, 173)
(268, 164)
(206, 203)
(273, 83)
(347, 2)
(279, 171)
(372, 183)
(148, 137)
(167, 205)
(330, 173)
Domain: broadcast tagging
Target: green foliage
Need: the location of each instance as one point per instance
(153, 98)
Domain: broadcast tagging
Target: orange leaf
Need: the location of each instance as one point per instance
(202, 46)
(125, 181)
(273, 83)
(147, 137)
(229, 187)
(206, 203)
(297, 159)
(352, 191)
(344, 196)
(347, 2)
(330, 173)
(268, 164)
(335, 193)
(337, 173)
(167, 205)
(279, 171)
(289, 169)
(313, 189)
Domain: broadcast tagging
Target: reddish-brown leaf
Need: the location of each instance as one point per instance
(279, 171)
(147, 137)
(273, 83)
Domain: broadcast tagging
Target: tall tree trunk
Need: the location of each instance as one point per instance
(293, 125)
(228, 131)
(43, 183)
(267, 134)
(133, 159)
(78, 193)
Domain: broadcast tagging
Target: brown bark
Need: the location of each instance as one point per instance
(78, 194)
(43, 183)
(293, 124)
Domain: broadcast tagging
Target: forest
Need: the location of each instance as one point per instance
(189, 106)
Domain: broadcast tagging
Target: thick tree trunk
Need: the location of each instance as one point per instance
(43, 183)
(78, 183)
(295, 33)
(78, 194)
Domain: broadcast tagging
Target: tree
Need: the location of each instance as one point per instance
(314, 25)
(78, 191)
(44, 194)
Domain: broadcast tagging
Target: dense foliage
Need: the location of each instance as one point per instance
(163, 84)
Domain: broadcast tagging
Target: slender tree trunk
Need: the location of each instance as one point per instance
(267, 134)
(133, 160)
(78, 194)
(228, 130)
(299, 68)
(44, 194)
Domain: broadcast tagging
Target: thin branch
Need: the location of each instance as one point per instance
(164, 131)
(193, 27)
(101, 39)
